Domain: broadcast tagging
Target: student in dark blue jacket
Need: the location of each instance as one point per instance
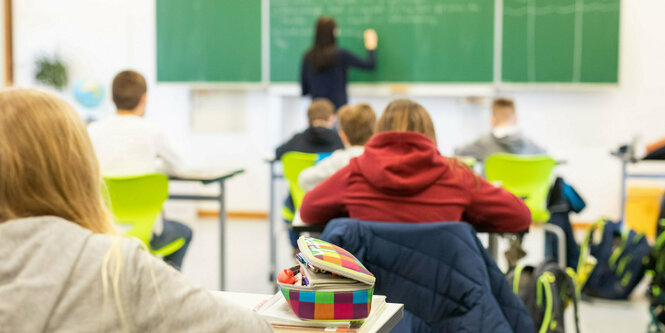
(319, 137)
(324, 72)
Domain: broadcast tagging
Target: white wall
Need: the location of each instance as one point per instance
(100, 37)
(2, 45)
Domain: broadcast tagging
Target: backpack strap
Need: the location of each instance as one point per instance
(544, 283)
(583, 270)
(584, 247)
(577, 296)
(517, 274)
(661, 238)
(619, 250)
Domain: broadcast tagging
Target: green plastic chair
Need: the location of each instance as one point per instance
(525, 176)
(293, 163)
(137, 201)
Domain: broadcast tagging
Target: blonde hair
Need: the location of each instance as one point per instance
(49, 167)
(405, 115)
(321, 109)
(503, 110)
(357, 122)
(47, 162)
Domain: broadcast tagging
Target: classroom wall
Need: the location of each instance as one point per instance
(2, 44)
(100, 37)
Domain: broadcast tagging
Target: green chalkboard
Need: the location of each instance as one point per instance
(208, 40)
(419, 40)
(543, 41)
(562, 41)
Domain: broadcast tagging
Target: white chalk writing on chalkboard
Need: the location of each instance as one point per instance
(296, 17)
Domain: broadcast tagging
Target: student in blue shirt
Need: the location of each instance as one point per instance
(324, 71)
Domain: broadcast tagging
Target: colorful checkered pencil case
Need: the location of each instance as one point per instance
(344, 293)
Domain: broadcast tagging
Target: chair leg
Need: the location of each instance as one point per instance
(493, 246)
(561, 240)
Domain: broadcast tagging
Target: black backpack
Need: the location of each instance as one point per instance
(562, 199)
(655, 267)
(546, 291)
(619, 261)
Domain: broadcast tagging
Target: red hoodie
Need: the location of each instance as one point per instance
(402, 177)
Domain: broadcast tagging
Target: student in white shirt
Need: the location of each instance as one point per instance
(356, 126)
(127, 145)
(505, 136)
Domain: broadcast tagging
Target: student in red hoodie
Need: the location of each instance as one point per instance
(402, 177)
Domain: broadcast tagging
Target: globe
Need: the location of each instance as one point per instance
(88, 93)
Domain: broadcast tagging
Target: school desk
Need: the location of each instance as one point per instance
(299, 226)
(651, 169)
(210, 177)
(388, 318)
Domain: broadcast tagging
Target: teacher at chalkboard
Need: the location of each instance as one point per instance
(325, 67)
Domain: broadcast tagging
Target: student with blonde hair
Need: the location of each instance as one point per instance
(63, 267)
(402, 177)
(505, 136)
(356, 126)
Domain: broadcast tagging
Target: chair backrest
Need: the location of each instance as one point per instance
(526, 176)
(293, 163)
(137, 201)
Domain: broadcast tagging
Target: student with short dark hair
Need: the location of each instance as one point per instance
(356, 126)
(505, 136)
(319, 137)
(126, 143)
(129, 145)
(129, 90)
(402, 177)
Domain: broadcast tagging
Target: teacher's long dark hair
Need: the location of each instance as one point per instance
(323, 54)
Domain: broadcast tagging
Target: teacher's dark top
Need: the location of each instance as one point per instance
(331, 82)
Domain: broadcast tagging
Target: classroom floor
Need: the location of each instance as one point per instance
(247, 265)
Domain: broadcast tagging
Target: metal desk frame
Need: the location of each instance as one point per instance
(271, 216)
(222, 209)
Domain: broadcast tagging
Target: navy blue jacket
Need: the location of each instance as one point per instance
(331, 82)
(312, 140)
(439, 271)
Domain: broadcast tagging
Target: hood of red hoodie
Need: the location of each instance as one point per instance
(401, 163)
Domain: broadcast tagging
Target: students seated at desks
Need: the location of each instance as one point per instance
(129, 145)
(356, 126)
(402, 177)
(64, 268)
(319, 137)
(505, 136)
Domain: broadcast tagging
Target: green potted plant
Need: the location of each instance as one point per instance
(51, 72)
